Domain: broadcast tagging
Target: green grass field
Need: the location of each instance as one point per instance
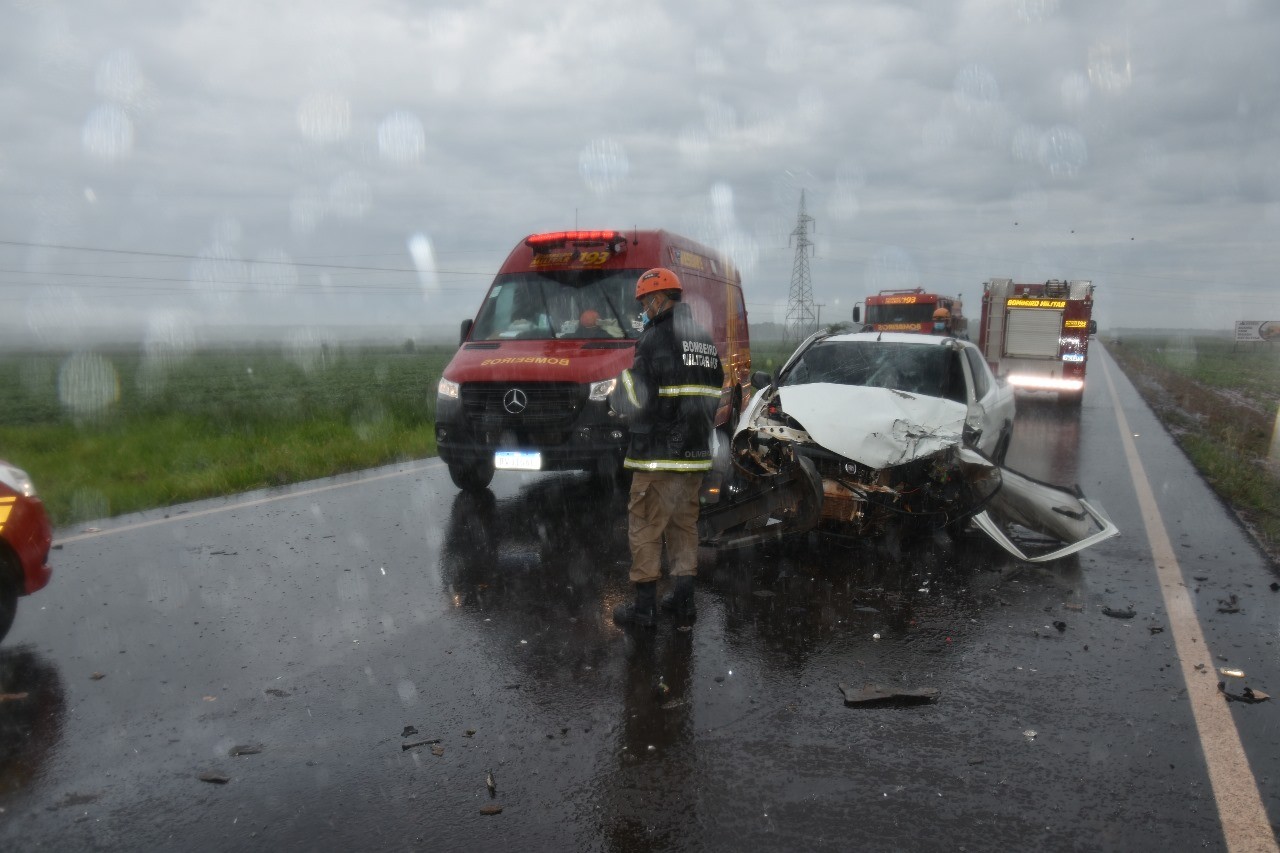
(1219, 399)
(118, 431)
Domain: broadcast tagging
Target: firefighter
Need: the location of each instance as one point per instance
(670, 394)
(941, 321)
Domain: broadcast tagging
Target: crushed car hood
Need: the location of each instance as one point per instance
(876, 427)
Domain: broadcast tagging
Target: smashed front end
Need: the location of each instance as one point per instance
(860, 461)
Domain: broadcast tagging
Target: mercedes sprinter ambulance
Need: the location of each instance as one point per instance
(528, 387)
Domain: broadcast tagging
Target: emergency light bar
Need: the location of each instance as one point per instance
(615, 240)
(1044, 383)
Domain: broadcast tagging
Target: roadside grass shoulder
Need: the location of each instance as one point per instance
(115, 432)
(1219, 401)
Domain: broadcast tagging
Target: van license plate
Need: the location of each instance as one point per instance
(517, 460)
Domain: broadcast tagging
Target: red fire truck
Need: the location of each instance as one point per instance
(910, 311)
(1036, 336)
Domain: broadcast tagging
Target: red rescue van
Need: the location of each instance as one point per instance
(528, 388)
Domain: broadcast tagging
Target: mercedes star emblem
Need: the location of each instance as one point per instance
(515, 401)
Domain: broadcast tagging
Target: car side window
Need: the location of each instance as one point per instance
(981, 376)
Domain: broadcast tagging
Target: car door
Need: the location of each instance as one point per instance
(992, 405)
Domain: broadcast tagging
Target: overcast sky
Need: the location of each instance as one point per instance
(373, 162)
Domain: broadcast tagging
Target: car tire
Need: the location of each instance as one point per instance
(9, 579)
(473, 477)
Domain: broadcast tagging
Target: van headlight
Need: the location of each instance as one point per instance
(602, 389)
(17, 479)
(448, 388)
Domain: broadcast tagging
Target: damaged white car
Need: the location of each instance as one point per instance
(862, 433)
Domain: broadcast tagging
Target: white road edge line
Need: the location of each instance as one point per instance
(186, 516)
(1244, 818)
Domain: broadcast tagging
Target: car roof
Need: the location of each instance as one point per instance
(893, 338)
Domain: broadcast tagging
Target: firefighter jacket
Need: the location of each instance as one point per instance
(671, 394)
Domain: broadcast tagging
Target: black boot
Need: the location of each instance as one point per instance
(643, 611)
(680, 599)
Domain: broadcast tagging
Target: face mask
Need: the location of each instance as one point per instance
(939, 327)
(644, 320)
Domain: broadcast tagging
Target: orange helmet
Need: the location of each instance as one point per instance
(656, 279)
(941, 313)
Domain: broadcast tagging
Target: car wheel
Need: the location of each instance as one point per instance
(8, 592)
(473, 477)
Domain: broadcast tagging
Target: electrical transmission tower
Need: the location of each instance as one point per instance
(801, 321)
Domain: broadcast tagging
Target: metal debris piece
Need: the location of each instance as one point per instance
(409, 730)
(1072, 606)
(1156, 629)
(245, 749)
(416, 743)
(1229, 605)
(1030, 734)
(1119, 614)
(880, 694)
(491, 810)
(1234, 673)
(1249, 696)
(98, 676)
(215, 778)
(490, 783)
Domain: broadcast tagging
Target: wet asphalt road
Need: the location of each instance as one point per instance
(314, 624)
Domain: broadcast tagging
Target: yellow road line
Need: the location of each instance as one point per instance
(1244, 819)
(186, 516)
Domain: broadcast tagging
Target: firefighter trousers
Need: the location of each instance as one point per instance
(663, 505)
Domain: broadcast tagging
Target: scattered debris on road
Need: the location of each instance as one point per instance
(491, 810)
(98, 676)
(416, 743)
(13, 697)
(1249, 696)
(409, 730)
(490, 783)
(1229, 605)
(245, 749)
(215, 778)
(1233, 673)
(879, 694)
(1119, 614)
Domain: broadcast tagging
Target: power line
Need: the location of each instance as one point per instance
(182, 257)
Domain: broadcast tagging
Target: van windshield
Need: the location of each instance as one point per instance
(541, 305)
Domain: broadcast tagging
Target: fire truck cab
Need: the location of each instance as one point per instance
(1036, 336)
(529, 385)
(910, 311)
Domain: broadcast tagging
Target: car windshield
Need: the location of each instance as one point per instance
(929, 370)
(560, 304)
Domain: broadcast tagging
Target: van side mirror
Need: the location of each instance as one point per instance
(857, 314)
(466, 330)
(1093, 327)
(760, 380)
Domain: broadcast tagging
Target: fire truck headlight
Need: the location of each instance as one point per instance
(602, 389)
(449, 389)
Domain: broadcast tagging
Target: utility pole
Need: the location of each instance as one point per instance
(801, 321)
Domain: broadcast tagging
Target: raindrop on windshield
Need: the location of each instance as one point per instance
(402, 139)
(603, 165)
